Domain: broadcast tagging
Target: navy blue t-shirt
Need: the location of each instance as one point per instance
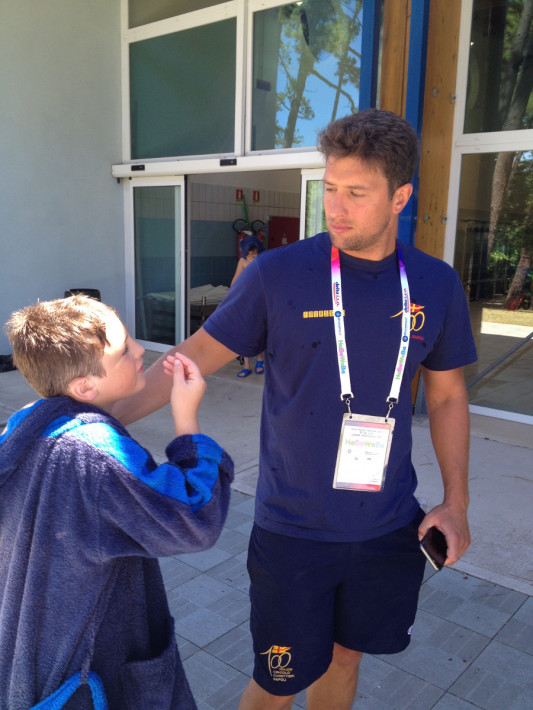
(281, 305)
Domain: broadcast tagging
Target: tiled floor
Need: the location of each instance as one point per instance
(473, 641)
(509, 386)
(472, 644)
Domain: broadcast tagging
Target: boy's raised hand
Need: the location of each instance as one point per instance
(187, 391)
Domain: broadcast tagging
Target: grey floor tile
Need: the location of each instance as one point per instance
(235, 607)
(205, 590)
(186, 648)
(203, 626)
(450, 702)
(439, 651)
(237, 498)
(501, 677)
(246, 506)
(235, 649)
(203, 561)
(207, 675)
(180, 608)
(429, 572)
(233, 572)
(232, 541)
(201, 705)
(236, 518)
(175, 572)
(518, 632)
(473, 603)
(385, 687)
(227, 697)
(245, 528)
(299, 700)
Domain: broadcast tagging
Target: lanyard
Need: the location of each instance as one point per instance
(338, 318)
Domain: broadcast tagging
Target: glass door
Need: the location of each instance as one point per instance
(489, 238)
(313, 219)
(158, 262)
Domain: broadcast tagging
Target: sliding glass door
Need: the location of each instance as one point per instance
(158, 261)
(491, 193)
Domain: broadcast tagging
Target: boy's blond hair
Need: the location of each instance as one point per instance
(56, 341)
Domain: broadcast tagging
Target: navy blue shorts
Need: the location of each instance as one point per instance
(307, 594)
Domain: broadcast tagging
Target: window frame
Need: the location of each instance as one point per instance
(471, 144)
(243, 11)
(180, 251)
(173, 25)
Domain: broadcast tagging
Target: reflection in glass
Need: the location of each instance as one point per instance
(306, 67)
(182, 92)
(494, 257)
(141, 12)
(315, 218)
(156, 242)
(500, 70)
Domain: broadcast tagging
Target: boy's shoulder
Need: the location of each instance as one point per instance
(71, 424)
(98, 433)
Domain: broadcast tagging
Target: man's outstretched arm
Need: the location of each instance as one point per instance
(202, 348)
(447, 404)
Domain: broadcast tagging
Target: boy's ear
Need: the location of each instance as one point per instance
(83, 389)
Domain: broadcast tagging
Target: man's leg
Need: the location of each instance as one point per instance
(336, 689)
(255, 698)
(293, 583)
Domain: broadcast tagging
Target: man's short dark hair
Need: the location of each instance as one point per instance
(380, 138)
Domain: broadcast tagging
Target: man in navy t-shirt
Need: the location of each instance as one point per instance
(345, 319)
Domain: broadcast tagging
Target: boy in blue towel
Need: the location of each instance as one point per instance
(85, 512)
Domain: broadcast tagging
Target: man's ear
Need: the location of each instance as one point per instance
(401, 197)
(83, 389)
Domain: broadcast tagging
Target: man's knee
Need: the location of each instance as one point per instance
(255, 698)
(345, 657)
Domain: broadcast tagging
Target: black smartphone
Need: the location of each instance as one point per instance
(434, 547)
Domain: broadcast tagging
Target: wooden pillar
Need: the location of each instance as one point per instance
(437, 126)
(395, 54)
(439, 105)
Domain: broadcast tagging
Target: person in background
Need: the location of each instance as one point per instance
(251, 247)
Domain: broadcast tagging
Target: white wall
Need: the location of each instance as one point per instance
(61, 212)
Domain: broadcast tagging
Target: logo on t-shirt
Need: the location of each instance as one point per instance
(321, 314)
(279, 659)
(418, 318)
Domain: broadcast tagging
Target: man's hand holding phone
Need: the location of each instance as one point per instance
(434, 547)
(452, 523)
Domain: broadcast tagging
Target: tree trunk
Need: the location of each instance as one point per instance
(307, 62)
(515, 59)
(519, 279)
(516, 88)
(503, 171)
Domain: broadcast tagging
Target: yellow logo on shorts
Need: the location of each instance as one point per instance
(279, 659)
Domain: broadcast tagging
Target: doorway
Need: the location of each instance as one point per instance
(185, 236)
(158, 261)
(224, 207)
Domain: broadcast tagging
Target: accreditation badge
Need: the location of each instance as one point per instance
(363, 453)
